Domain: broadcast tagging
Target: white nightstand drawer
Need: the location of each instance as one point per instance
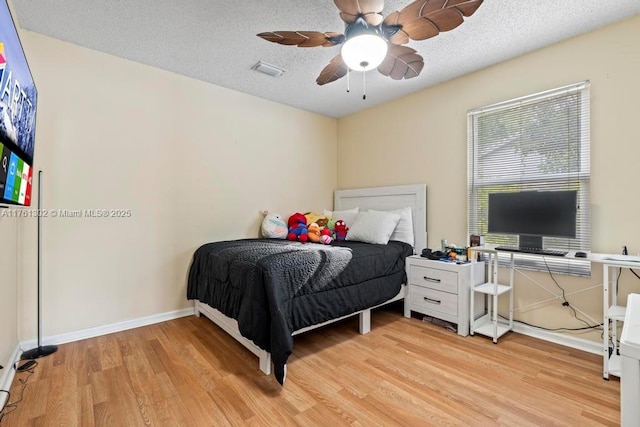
(425, 299)
(442, 280)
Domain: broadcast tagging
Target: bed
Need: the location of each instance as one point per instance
(264, 291)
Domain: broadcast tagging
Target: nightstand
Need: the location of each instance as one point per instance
(442, 290)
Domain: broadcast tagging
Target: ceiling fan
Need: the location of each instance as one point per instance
(371, 41)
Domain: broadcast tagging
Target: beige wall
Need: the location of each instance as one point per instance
(423, 138)
(9, 250)
(193, 163)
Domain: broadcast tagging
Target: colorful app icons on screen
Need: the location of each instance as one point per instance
(23, 184)
(11, 176)
(27, 196)
(4, 167)
(17, 183)
(16, 178)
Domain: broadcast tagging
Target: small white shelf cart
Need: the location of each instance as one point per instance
(489, 324)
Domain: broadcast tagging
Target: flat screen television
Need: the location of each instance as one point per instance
(533, 215)
(18, 99)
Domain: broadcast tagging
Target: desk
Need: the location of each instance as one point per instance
(612, 313)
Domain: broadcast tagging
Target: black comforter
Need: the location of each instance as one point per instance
(275, 287)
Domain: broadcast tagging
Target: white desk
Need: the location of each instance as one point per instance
(612, 312)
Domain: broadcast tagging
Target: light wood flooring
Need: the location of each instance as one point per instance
(406, 372)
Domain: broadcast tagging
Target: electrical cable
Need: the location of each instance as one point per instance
(583, 328)
(626, 252)
(565, 302)
(14, 405)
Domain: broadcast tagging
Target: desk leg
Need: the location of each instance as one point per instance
(605, 324)
(613, 294)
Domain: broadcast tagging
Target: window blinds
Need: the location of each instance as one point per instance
(538, 142)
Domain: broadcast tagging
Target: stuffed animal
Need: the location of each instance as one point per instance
(297, 227)
(325, 236)
(312, 217)
(313, 231)
(331, 226)
(341, 230)
(273, 226)
(321, 220)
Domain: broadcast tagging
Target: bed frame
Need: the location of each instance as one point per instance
(379, 198)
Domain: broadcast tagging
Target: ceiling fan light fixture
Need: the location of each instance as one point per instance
(364, 52)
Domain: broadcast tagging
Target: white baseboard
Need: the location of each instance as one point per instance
(566, 340)
(8, 373)
(107, 329)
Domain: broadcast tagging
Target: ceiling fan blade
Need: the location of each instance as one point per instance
(332, 72)
(401, 62)
(424, 19)
(369, 9)
(303, 38)
(391, 21)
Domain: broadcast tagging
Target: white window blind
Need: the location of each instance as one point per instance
(538, 142)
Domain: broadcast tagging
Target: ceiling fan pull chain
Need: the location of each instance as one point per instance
(348, 80)
(364, 85)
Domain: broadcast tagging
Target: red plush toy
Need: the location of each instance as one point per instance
(325, 236)
(297, 227)
(341, 230)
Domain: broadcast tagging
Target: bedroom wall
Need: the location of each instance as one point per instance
(186, 162)
(423, 138)
(9, 250)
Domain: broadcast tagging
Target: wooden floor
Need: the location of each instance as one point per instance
(406, 372)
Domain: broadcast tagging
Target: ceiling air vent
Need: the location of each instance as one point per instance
(268, 69)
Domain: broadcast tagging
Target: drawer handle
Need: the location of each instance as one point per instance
(430, 279)
(435, 301)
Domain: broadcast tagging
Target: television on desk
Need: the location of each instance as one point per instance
(18, 99)
(533, 215)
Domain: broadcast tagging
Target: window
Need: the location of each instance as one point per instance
(538, 142)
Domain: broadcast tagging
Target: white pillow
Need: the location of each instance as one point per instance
(347, 215)
(373, 227)
(404, 229)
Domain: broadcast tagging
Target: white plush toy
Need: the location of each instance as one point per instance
(273, 226)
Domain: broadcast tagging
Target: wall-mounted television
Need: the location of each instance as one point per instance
(533, 215)
(18, 99)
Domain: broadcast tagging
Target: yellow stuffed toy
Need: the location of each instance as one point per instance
(321, 220)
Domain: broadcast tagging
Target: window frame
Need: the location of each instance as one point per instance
(580, 177)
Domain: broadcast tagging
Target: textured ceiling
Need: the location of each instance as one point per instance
(215, 41)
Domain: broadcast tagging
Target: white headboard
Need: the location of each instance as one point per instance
(390, 198)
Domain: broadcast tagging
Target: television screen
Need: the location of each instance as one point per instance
(534, 213)
(18, 98)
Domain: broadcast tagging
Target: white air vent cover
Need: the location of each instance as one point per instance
(268, 69)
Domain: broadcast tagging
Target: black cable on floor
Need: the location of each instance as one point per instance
(9, 407)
